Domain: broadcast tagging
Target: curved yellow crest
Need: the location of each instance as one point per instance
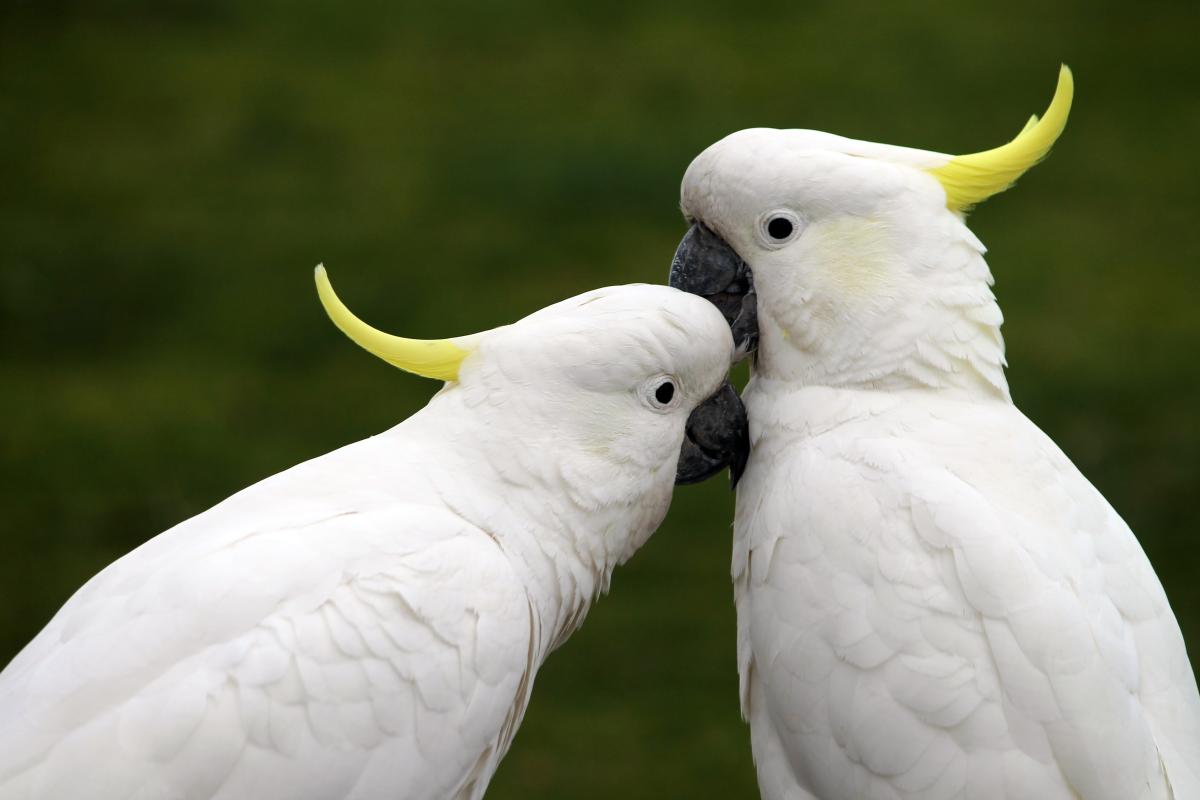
(974, 178)
(430, 358)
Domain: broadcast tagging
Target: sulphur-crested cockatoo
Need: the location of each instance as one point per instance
(932, 601)
(369, 624)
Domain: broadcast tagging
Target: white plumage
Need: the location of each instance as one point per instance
(932, 601)
(369, 624)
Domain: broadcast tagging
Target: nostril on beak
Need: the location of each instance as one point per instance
(704, 264)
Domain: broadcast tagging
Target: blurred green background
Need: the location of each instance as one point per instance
(170, 172)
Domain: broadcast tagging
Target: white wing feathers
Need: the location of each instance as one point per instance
(923, 615)
(343, 656)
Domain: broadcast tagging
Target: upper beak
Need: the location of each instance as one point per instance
(705, 265)
(717, 436)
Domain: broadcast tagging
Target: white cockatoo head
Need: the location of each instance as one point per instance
(610, 397)
(848, 263)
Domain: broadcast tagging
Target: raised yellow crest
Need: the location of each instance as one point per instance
(974, 178)
(430, 358)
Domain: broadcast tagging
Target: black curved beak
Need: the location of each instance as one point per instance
(705, 265)
(717, 436)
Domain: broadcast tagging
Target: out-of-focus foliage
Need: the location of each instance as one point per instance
(171, 171)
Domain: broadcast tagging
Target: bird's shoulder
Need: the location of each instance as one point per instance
(333, 644)
(942, 539)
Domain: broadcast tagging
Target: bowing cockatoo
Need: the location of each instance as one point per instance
(368, 624)
(932, 601)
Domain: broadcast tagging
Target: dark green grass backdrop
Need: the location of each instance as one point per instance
(170, 172)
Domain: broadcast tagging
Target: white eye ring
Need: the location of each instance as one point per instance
(661, 392)
(777, 228)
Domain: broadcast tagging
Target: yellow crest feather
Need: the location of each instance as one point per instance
(430, 358)
(974, 178)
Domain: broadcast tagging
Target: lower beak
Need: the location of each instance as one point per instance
(705, 265)
(717, 436)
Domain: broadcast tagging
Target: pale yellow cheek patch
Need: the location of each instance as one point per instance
(852, 254)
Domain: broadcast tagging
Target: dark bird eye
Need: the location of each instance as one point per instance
(664, 392)
(780, 228)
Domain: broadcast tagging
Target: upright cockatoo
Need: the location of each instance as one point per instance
(932, 601)
(368, 624)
